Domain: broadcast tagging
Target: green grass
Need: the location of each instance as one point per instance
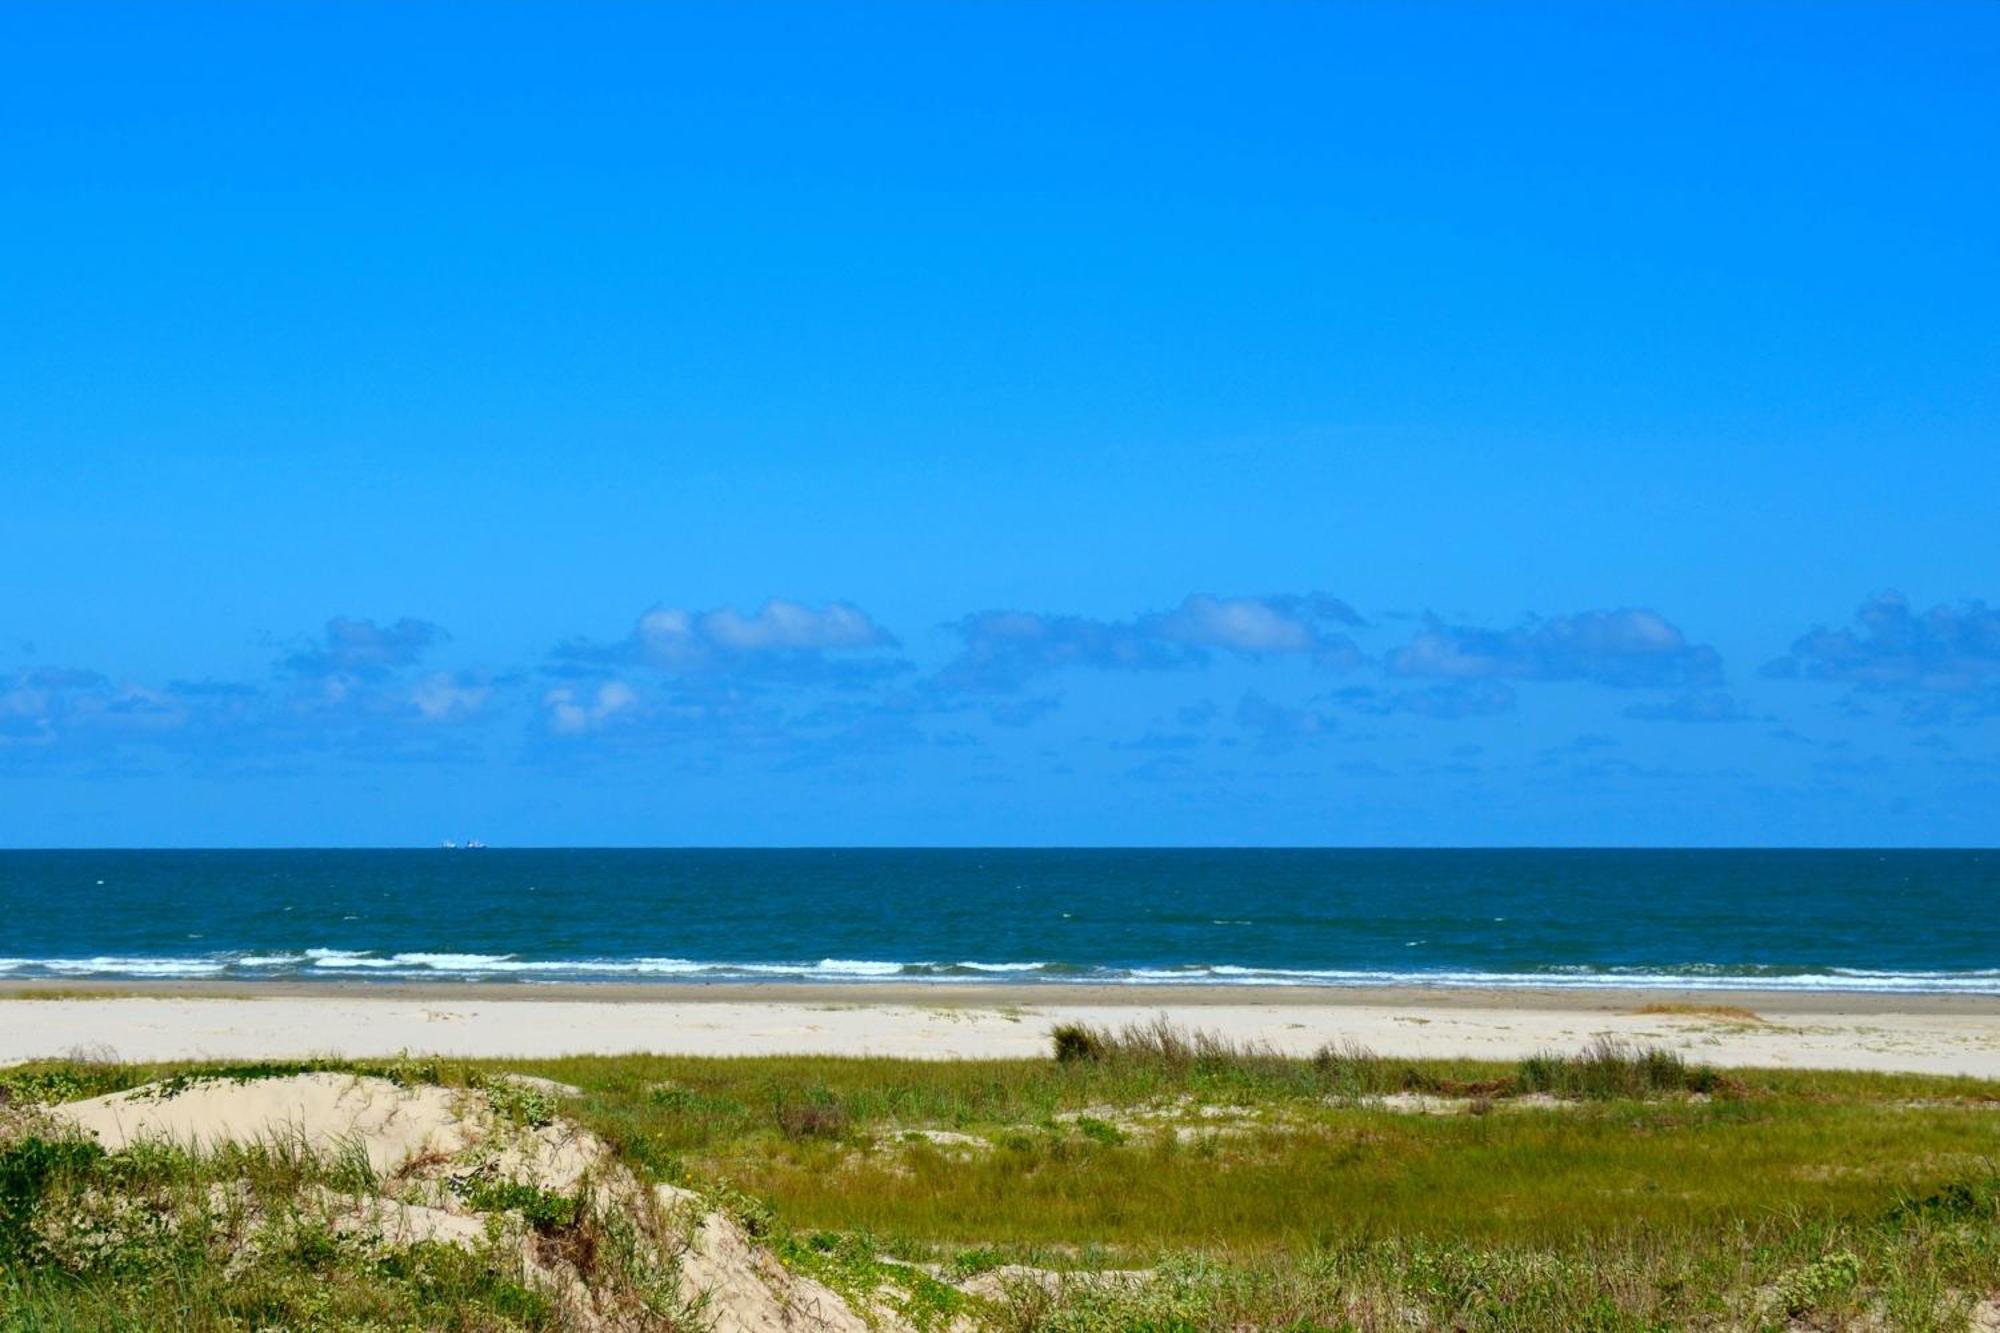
(1638, 1192)
(1608, 1189)
(157, 1238)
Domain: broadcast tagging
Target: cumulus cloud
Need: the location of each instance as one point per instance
(31, 702)
(1276, 726)
(1625, 648)
(573, 713)
(750, 682)
(781, 640)
(44, 707)
(1257, 626)
(348, 690)
(445, 696)
(701, 718)
(363, 647)
(1003, 650)
(677, 639)
(352, 686)
(1947, 650)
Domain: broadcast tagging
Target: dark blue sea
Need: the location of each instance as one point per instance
(1861, 920)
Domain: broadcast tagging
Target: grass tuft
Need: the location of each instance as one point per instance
(1730, 1013)
(1161, 1043)
(1075, 1042)
(1608, 1069)
(817, 1116)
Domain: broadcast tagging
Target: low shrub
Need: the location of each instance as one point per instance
(521, 1103)
(1161, 1044)
(1608, 1069)
(545, 1210)
(1077, 1042)
(815, 1118)
(1808, 1287)
(28, 1168)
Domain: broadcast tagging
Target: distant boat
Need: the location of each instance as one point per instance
(469, 845)
(473, 843)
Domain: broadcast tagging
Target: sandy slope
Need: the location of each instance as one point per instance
(1856, 1032)
(413, 1135)
(322, 1113)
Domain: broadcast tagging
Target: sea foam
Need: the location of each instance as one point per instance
(416, 964)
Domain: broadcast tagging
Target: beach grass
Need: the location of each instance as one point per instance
(1722, 1013)
(150, 1240)
(1611, 1188)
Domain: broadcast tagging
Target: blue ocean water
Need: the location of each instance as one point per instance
(1863, 920)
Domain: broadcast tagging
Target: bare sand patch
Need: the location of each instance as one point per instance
(1953, 1035)
(323, 1113)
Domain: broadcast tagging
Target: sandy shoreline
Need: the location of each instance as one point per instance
(1945, 1034)
(978, 995)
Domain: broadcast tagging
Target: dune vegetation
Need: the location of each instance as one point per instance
(1146, 1179)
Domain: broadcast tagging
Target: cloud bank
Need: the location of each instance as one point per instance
(1004, 650)
(803, 683)
(781, 641)
(1949, 650)
(1627, 648)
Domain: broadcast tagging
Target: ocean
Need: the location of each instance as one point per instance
(1915, 921)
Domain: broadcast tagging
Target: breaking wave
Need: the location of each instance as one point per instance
(368, 964)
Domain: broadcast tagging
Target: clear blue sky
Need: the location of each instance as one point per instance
(1019, 424)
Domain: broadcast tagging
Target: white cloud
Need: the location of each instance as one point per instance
(789, 626)
(1240, 624)
(572, 715)
(781, 640)
(1625, 647)
(442, 697)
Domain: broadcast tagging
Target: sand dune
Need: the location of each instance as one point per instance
(413, 1135)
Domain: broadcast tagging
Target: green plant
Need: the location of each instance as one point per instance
(1806, 1288)
(544, 1210)
(521, 1103)
(1101, 1131)
(1608, 1069)
(1075, 1042)
(815, 1117)
(29, 1167)
(68, 1081)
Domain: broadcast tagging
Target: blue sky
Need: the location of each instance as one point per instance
(1074, 424)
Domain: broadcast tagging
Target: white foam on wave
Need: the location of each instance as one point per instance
(861, 967)
(453, 962)
(131, 967)
(337, 959)
(1980, 982)
(1859, 972)
(508, 963)
(605, 966)
(422, 963)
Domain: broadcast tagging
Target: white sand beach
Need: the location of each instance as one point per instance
(1916, 1034)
